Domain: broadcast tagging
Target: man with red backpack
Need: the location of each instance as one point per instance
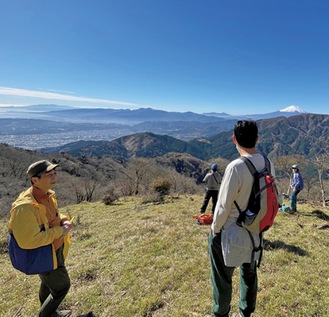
(230, 244)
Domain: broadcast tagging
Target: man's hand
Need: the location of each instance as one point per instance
(67, 226)
(68, 223)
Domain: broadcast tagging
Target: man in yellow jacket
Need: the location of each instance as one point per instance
(34, 223)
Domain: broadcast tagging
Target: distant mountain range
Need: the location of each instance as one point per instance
(53, 126)
(127, 116)
(306, 134)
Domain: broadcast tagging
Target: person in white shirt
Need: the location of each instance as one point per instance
(230, 245)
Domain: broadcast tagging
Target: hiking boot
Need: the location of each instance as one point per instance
(62, 313)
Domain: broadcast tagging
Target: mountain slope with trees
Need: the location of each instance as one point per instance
(90, 178)
(144, 144)
(129, 165)
(305, 134)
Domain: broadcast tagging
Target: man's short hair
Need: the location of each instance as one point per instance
(246, 132)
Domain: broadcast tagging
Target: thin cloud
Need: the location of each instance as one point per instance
(57, 96)
(10, 105)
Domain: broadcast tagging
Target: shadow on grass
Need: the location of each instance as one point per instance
(90, 314)
(315, 213)
(320, 214)
(274, 245)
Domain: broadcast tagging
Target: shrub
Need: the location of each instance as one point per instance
(110, 197)
(161, 186)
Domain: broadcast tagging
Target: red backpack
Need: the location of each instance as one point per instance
(263, 200)
(204, 219)
(262, 205)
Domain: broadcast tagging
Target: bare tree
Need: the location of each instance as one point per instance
(136, 170)
(321, 163)
(78, 192)
(90, 186)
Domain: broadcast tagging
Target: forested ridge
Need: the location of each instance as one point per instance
(305, 134)
(94, 178)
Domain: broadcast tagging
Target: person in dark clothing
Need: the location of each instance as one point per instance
(213, 180)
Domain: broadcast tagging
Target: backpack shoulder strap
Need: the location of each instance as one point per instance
(253, 172)
(250, 165)
(267, 164)
(215, 178)
(252, 168)
(254, 198)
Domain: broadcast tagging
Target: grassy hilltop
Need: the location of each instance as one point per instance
(136, 260)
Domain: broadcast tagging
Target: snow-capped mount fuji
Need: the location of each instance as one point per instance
(293, 108)
(286, 112)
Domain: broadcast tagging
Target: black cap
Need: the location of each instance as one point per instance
(39, 167)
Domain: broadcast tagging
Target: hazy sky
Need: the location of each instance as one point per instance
(236, 56)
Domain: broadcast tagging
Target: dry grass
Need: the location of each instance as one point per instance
(131, 259)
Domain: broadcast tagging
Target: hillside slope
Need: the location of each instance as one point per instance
(130, 259)
(143, 144)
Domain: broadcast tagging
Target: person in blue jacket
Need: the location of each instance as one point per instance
(296, 185)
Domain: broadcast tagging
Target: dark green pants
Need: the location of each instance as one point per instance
(54, 287)
(221, 279)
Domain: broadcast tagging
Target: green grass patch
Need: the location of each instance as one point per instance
(142, 260)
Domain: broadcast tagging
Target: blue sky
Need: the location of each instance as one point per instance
(237, 56)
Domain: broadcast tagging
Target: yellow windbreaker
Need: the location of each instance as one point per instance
(29, 224)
